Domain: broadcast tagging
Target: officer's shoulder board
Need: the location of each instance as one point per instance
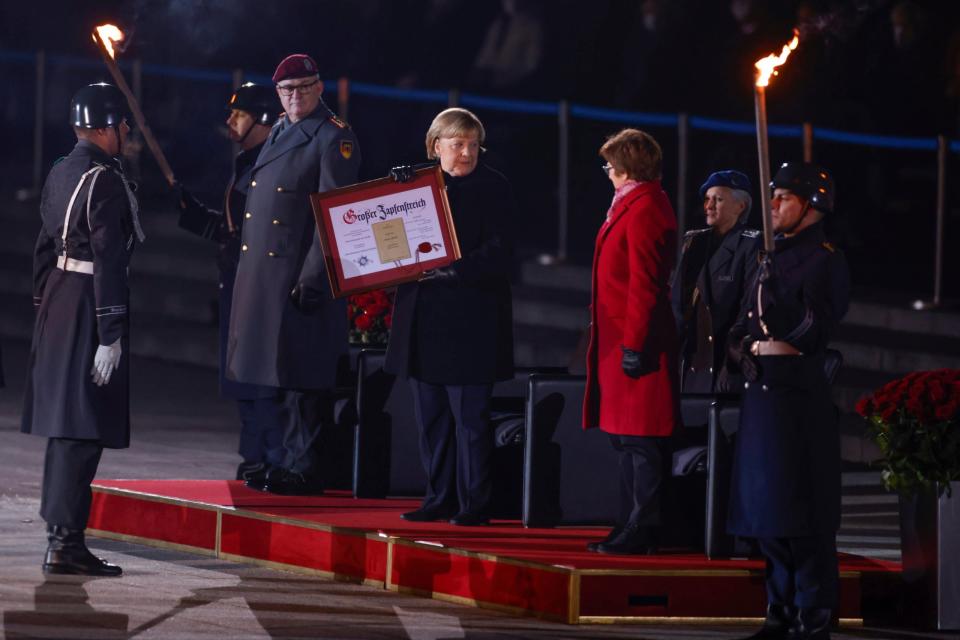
(58, 161)
(695, 232)
(340, 124)
(829, 247)
(750, 233)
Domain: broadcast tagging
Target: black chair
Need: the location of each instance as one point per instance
(570, 476)
(386, 452)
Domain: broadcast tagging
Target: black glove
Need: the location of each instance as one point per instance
(634, 363)
(740, 356)
(445, 275)
(403, 173)
(306, 298)
(185, 201)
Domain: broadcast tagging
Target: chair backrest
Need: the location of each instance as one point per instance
(570, 476)
(832, 362)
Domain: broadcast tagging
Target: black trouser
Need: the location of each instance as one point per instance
(262, 423)
(641, 474)
(306, 413)
(456, 444)
(802, 571)
(68, 469)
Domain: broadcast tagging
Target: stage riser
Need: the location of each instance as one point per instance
(282, 539)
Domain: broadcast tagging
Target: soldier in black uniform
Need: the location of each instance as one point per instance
(286, 330)
(786, 477)
(77, 390)
(252, 111)
(717, 265)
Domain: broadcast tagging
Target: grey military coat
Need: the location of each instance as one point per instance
(271, 342)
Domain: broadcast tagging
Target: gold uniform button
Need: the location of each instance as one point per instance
(244, 248)
(279, 189)
(253, 183)
(248, 215)
(276, 221)
(271, 254)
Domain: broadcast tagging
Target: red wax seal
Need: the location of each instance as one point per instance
(424, 247)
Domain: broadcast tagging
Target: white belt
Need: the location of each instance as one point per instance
(69, 264)
(773, 348)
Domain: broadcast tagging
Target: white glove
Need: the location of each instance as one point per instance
(105, 362)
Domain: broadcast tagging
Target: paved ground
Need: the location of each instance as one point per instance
(182, 431)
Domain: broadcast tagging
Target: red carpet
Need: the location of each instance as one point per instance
(542, 572)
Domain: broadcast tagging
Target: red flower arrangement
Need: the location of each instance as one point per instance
(916, 423)
(370, 315)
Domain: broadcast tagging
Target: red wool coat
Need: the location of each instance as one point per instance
(635, 252)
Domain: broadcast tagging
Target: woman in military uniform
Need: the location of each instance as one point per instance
(77, 392)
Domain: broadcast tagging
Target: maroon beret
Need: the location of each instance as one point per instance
(298, 65)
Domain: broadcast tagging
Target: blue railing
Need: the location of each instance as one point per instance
(534, 107)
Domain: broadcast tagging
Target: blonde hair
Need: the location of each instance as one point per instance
(452, 123)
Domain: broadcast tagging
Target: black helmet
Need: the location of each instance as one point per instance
(809, 181)
(258, 100)
(98, 106)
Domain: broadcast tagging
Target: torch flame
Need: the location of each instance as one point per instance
(767, 67)
(109, 35)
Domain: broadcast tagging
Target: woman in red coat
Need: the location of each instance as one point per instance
(632, 387)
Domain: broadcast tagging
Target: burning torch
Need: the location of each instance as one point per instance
(106, 36)
(767, 67)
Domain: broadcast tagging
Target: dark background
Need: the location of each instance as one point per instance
(879, 67)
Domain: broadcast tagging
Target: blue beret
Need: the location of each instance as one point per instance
(729, 178)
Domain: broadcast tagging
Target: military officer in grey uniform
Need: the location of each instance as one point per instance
(253, 110)
(286, 330)
(786, 471)
(716, 266)
(77, 390)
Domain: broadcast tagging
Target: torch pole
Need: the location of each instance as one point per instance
(135, 109)
(763, 151)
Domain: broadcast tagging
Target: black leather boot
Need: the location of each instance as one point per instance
(779, 623)
(631, 540)
(67, 553)
(814, 624)
(594, 545)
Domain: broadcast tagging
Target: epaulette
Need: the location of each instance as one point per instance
(58, 161)
(337, 121)
(695, 232)
(750, 233)
(829, 247)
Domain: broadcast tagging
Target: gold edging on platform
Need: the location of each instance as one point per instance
(304, 524)
(476, 555)
(573, 598)
(293, 568)
(695, 620)
(688, 573)
(480, 604)
(387, 583)
(152, 497)
(219, 529)
(151, 542)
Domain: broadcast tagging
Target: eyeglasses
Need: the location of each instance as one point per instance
(607, 168)
(289, 90)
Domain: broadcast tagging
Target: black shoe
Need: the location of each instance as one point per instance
(467, 519)
(257, 480)
(246, 469)
(632, 540)
(814, 624)
(778, 625)
(594, 545)
(67, 553)
(284, 482)
(427, 514)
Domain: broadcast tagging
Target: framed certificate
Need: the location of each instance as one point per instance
(381, 233)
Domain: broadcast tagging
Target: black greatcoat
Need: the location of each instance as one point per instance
(271, 342)
(76, 312)
(786, 469)
(461, 333)
(224, 227)
(710, 286)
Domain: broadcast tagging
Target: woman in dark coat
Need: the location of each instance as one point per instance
(632, 383)
(452, 334)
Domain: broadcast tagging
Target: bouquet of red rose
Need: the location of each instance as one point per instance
(370, 316)
(916, 423)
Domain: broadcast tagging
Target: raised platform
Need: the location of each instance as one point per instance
(539, 572)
